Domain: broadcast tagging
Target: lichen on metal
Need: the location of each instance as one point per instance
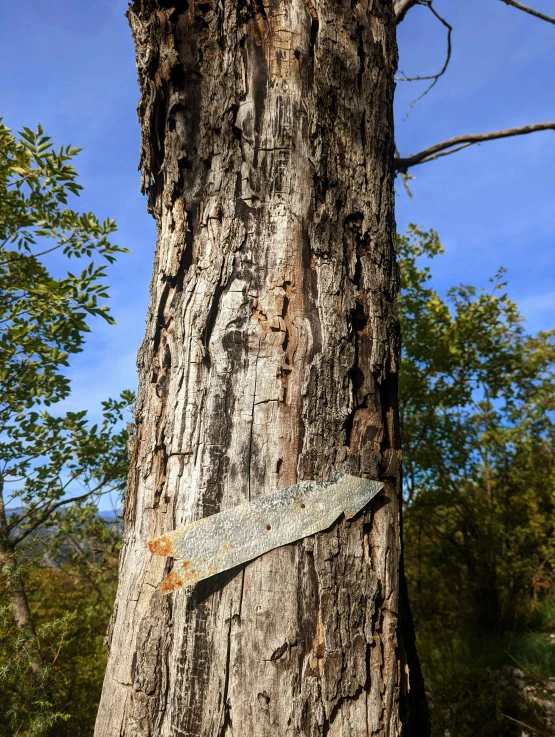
(240, 534)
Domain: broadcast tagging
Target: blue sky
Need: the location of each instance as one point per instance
(70, 66)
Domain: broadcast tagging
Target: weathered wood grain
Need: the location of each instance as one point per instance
(271, 355)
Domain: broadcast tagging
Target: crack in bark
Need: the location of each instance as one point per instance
(226, 710)
(250, 454)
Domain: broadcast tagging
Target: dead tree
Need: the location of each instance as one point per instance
(271, 355)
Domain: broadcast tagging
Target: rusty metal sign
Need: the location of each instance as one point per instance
(240, 534)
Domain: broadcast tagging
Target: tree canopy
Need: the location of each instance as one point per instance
(53, 466)
(477, 399)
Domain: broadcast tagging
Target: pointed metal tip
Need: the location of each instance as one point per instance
(362, 495)
(242, 533)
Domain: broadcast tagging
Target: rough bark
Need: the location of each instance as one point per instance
(271, 355)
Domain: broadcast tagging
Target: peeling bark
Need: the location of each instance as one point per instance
(271, 355)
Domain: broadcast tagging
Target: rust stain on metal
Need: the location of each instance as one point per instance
(161, 545)
(172, 582)
(179, 577)
(252, 529)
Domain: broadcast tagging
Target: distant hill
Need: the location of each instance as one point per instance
(109, 515)
(112, 518)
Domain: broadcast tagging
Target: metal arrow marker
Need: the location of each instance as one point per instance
(237, 535)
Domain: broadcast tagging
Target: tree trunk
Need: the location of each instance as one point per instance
(15, 588)
(271, 356)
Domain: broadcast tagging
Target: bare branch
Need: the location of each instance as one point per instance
(30, 255)
(40, 504)
(528, 10)
(451, 145)
(402, 7)
(451, 151)
(404, 176)
(10, 260)
(517, 721)
(443, 69)
(48, 509)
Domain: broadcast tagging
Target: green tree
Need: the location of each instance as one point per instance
(477, 400)
(53, 467)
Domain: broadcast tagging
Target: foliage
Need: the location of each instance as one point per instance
(72, 600)
(476, 398)
(43, 318)
(53, 466)
(25, 702)
(42, 322)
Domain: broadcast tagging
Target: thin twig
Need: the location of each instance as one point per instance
(405, 176)
(522, 724)
(32, 508)
(447, 153)
(63, 242)
(30, 255)
(451, 145)
(434, 77)
(59, 650)
(51, 508)
(516, 661)
(528, 10)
